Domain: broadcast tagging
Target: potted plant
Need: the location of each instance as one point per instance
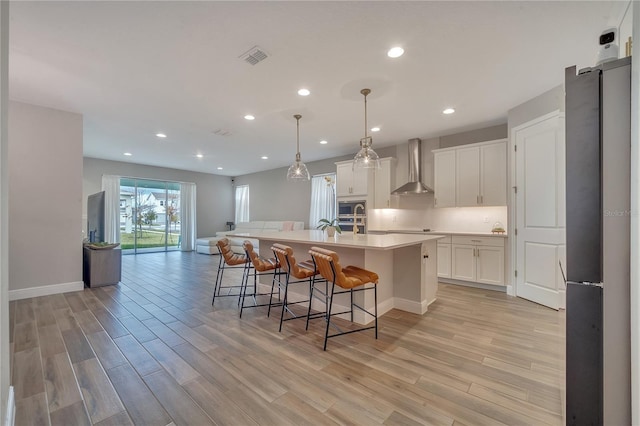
(331, 226)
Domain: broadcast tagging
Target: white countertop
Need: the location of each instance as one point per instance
(436, 232)
(346, 239)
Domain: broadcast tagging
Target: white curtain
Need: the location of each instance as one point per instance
(323, 199)
(242, 203)
(111, 188)
(188, 216)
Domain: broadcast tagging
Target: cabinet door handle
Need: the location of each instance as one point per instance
(388, 203)
(435, 201)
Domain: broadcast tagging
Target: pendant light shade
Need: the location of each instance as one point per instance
(298, 170)
(366, 158)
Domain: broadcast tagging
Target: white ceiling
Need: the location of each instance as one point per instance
(137, 68)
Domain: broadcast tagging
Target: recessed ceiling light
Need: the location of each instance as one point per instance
(249, 117)
(128, 154)
(264, 157)
(395, 52)
(161, 135)
(219, 168)
(323, 142)
(304, 92)
(448, 111)
(199, 155)
(375, 129)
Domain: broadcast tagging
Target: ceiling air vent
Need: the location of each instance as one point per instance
(254, 55)
(222, 132)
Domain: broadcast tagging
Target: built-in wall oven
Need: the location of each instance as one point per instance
(352, 213)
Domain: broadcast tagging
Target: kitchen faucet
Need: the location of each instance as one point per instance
(355, 218)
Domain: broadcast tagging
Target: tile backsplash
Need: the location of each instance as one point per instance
(458, 219)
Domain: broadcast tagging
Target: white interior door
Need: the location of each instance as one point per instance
(540, 210)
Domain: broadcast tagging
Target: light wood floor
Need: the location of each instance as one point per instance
(152, 351)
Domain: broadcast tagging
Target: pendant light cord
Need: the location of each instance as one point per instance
(297, 117)
(298, 135)
(365, 92)
(365, 116)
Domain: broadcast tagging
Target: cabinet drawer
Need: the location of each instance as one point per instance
(480, 241)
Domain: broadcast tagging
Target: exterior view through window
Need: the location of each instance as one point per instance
(149, 215)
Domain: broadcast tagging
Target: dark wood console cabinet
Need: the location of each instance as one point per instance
(101, 267)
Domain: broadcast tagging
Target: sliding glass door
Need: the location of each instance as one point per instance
(149, 215)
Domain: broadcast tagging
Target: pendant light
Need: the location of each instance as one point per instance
(366, 158)
(298, 170)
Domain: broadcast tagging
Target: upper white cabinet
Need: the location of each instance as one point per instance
(350, 182)
(384, 183)
(444, 178)
(467, 176)
(374, 185)
(471, 175)
(493, 174)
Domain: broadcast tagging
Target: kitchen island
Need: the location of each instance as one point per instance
(406, 264)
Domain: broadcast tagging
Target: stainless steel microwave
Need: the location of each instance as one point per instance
(348, 208)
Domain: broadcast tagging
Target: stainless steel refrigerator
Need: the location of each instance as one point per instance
(598, 139)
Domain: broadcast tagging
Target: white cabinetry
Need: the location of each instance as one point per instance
(384, 183)
(479, 259)
(471, 175)
(444, 257)
(350, 182)
(444, 178)
(493, 174)
(467, 176)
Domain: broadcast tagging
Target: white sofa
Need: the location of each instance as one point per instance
(207, 245)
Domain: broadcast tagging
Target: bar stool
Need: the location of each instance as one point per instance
(261, 266)
(228, 259)
(350, 279)
(302, 272)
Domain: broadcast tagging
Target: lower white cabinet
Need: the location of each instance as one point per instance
(477, 259)
(444, 258)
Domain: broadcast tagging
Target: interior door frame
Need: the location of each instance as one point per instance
(511, 226)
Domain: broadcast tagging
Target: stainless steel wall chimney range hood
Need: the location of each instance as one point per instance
(415, 185)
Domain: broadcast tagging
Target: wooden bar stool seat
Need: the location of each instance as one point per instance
(261, 266)
(294, 273)
(228, 259)
(350, 279)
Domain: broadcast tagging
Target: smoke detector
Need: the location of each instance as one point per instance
(254, 55)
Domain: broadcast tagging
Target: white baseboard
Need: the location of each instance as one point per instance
(45, 290)
(10, 418)
(408, 305)
(500, 288)
(412, 306)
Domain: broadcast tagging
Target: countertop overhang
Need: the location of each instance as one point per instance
(346, 239)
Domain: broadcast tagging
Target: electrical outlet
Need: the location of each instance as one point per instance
(486, 219)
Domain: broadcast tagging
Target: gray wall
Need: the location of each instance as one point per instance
(214, 204)
(272, 197)
(474, 136)
(545, 103)
(4, 210)
(45, 196)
